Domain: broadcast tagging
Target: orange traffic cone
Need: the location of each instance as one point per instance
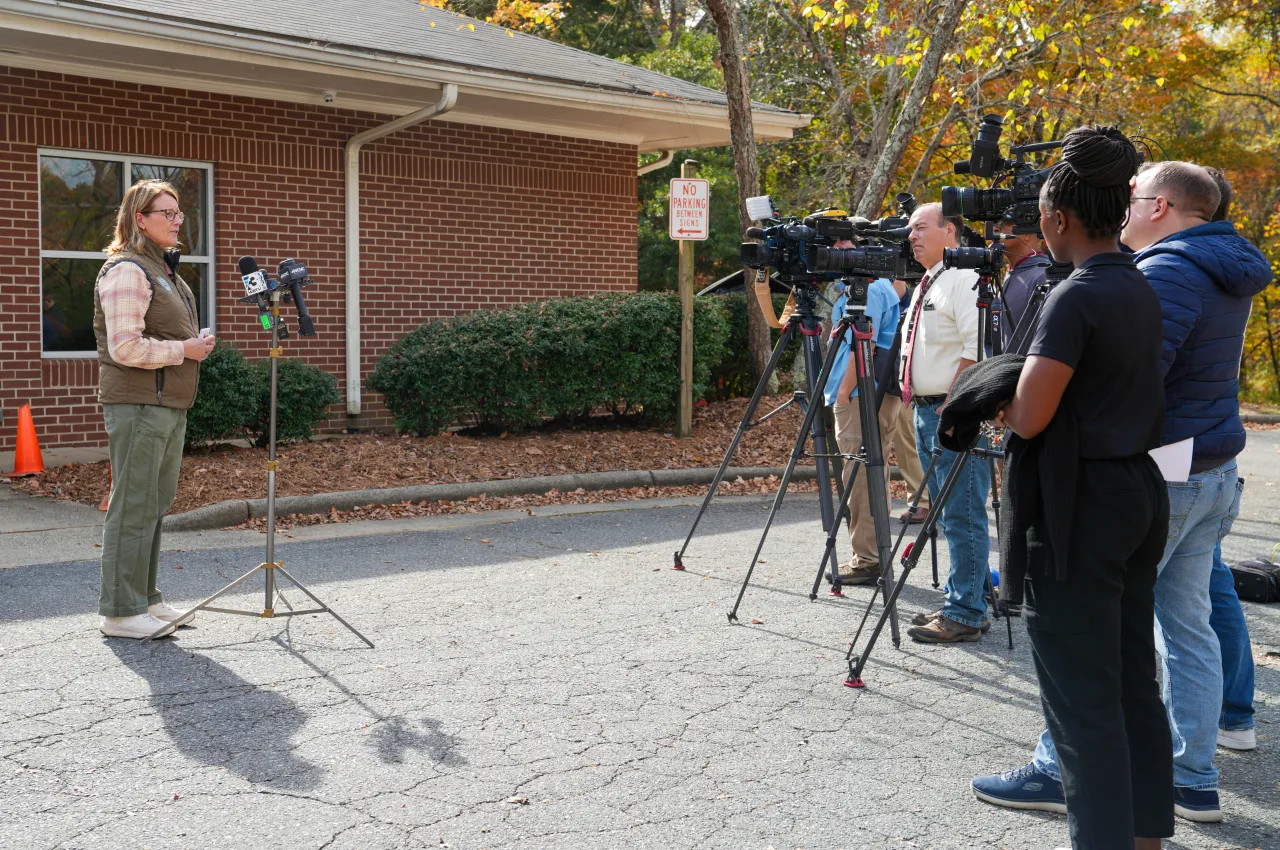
(26, 457)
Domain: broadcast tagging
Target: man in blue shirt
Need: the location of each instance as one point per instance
(842, 397)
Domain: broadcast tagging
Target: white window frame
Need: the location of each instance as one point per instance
(128, 161)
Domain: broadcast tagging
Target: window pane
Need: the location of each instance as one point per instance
(195, 275)
(78, 202)
(67, 304)
(190, 183)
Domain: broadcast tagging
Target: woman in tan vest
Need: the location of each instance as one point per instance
(149, 352)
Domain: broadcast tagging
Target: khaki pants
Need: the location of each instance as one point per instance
(849, 439)
(901, 435)
(145, 442)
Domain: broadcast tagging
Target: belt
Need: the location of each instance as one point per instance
(927, 400)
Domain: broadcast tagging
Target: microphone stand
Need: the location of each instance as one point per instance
(270, 566)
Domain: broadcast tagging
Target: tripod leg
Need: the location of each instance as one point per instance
(846, 487)
(908, 564)
(787, 333)
(814, 362)
(933, 554)
(797, 450)
(316, 600)
(877, 490)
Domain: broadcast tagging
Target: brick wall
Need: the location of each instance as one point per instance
(454, 218)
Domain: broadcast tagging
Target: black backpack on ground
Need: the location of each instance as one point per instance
(1257, 580)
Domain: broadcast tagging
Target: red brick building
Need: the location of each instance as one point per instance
(522, 184)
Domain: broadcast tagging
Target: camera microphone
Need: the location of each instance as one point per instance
(755, 233)
(255, 286)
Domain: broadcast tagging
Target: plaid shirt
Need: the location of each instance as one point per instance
(125, 295)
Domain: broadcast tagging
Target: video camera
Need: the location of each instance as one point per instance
(1019, 204)
(803, 248)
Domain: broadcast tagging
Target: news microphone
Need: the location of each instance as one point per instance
(755, 233)
(294, 275)
(255, 287)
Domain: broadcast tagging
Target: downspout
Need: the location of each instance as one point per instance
(448, 99)
(661, 162)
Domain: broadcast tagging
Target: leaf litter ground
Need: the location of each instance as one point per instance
(369, 461)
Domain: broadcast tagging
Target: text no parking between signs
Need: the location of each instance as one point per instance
(689, 214)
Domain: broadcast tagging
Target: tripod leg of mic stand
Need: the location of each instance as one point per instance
(787, 333)
(190, 614)
(316, 600)
(796, 451)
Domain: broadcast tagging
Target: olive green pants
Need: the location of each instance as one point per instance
(145, 442)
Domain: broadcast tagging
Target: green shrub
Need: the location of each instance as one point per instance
(732, 377)
(303, 396)
(508, 369)
(227, 398)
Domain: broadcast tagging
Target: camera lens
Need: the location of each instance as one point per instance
(952, 200)
(754, 255)
(966, 258)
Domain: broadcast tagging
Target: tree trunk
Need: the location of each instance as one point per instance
(909, 118)
(675, 26)
(745, 162)
(922, 167)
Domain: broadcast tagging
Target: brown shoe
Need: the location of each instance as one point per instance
(944, 630)
(914, 516)
(859, 575)
(928, 617)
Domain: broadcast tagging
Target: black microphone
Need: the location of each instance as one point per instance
(755, 233)
(294, 275)
(255, 286)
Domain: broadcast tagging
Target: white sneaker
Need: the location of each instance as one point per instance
(1238, 739)
(138, 626)
(165, 611)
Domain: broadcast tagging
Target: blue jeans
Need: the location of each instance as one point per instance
(964, 523)
(1201, 511)
(1227, 620)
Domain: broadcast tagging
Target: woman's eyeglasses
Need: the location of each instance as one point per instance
(172, 215)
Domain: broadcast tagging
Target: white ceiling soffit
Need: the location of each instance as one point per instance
(92, 42)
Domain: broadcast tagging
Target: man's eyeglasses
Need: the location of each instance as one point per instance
(1167, 202)
(172, 215)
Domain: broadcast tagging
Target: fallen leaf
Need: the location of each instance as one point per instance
(757, 622)
(519, 801)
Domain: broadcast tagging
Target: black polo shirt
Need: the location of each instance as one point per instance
(1104, 321)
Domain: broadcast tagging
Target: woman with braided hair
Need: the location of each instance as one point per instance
(1088, 407)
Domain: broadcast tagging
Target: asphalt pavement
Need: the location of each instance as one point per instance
(539, 681)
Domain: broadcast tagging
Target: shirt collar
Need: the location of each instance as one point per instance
(1108, 258)
(1030, 256)
(935, 271)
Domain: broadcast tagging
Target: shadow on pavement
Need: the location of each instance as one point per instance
(393, 735)
(217, 718)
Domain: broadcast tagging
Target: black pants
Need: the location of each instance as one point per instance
(1092, 637)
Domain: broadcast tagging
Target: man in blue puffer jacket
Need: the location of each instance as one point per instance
(1206, 275)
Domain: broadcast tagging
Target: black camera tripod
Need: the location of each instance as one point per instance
(1019, 341)
(804, 321)
(871, 455)
(985, 288)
